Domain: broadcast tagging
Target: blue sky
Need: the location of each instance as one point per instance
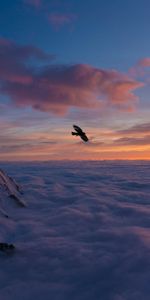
(105, 35)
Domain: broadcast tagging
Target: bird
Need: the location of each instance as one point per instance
(80, 133)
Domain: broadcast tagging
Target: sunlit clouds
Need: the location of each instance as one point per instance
(57, 88)
(64, 62)
(50, 93)
(141, 69)
(44, 140)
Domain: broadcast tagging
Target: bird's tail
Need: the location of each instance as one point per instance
(74, 133)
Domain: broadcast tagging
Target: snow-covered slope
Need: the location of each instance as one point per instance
(9, 189)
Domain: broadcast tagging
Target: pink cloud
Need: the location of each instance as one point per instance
(139, 70)
(136, 129)
(58, 19)
(14, 59)
(57, 88)
(133, 141)
(145, 62)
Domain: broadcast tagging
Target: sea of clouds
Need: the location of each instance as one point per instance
(85, 233)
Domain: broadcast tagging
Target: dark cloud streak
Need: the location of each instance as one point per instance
(133, 141)
(139, 128)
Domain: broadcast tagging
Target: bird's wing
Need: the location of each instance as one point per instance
(84, 137)
(78, 129)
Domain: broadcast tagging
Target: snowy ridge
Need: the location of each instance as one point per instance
(10, 185)
(9, 189)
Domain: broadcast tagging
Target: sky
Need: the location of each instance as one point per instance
(65, 62)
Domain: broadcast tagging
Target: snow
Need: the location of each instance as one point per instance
(83, 235)
(9, 192)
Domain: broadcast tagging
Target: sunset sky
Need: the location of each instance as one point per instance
(65, 62)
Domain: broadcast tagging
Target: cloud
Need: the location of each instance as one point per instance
(134, 136)
(136, 129)
(141, 68)
(34, 3)
(57, 88)
(14, 62)
(137, 135)
(145, 62)
(85, 234)
(58, 19)
(19, 137)
(133, 141)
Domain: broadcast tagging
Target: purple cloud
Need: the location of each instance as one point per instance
(85, 234)
(133, 140)
(14, 62)
(57, 88)
(58, 20)
(139, 129)
(34, 3)
(141, 69)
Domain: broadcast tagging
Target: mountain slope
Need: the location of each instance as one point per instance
(9, 189)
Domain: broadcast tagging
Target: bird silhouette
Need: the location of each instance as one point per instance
(80, 133)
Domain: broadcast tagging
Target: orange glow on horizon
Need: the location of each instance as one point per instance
(58, 144)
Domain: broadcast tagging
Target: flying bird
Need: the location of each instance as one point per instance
(80, 133)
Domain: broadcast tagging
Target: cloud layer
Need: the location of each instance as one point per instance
(57, 88)
(84, 235)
